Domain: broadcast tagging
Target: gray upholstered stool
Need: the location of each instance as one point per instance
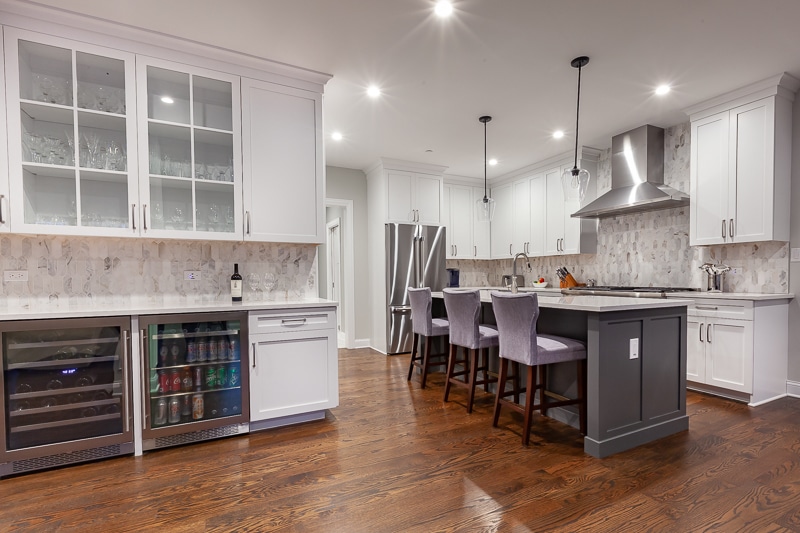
(463, 312)
(425, 327)
(516, 316)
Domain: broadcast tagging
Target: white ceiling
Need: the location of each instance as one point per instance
(506, 58)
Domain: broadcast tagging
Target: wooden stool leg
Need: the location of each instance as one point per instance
(451, 363)
(501, 387)
(485, 370)
(413, 352)
(426, 360)
(529, 392)
(473, 375)
(542, 388)
(582, 394)
(515, 381)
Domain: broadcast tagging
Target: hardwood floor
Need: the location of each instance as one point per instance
(393, 457)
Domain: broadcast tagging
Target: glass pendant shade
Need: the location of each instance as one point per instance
(574, 182)
(484, 209)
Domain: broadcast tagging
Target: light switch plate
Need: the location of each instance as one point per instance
(634, 350)
(795, 255)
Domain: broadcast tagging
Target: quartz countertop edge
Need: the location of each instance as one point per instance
(45, 311)
(754, 296)
(596, 304)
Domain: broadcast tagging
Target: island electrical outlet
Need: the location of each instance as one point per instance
(191, 275)
(634, 350)
(15, 275)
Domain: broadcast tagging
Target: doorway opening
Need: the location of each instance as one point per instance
(335, 261)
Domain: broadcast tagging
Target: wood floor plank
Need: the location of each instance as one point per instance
(394, 457)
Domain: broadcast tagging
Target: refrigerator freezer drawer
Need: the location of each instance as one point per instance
(399, 331)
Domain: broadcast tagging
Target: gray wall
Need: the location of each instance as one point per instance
(794, 268)
(350, 184)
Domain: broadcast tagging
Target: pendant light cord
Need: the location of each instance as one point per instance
(485, 196)
(577, 118)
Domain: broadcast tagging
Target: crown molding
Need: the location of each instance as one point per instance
(783, 84)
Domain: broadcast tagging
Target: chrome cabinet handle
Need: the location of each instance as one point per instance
(509, 250)
(133, 216)
(708, 332)
(247, 222)
(707, 307)
(730, 229)
(144, 216)
(475, 251)
(254, 355)
(700, 329)
(723, 228)
(145, 378)
(456, 252)
(124, 367)
(293, 321)
(2, 217)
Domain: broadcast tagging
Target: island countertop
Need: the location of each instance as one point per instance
(597, 304)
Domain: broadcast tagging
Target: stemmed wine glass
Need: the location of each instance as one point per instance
(269, 281)
(252, 282)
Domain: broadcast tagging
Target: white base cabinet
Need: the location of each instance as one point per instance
(738, 348)
(294, 366)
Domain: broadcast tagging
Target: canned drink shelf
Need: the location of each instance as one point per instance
(198, 363)
(59, 363)
(67, 422)
(194, 334)
(64, 407)
(156, 396)
(61, 343)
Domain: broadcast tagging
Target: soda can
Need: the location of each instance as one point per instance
(174, 410)
(233, 350)
(191, 351)
(175, 380)
(211, 376)
(186, 380)
(175, 354)
(160, 416)
(233, 376)
(163, 382)
(222, 376)
(213, 350)
(163, 351)
(222, 348)
(197, 406)
(202, 351)
(186, 405)
(198, 378)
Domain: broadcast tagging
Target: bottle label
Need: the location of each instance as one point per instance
(236, 288)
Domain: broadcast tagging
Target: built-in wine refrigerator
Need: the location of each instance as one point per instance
(65, 389)
(195, 378)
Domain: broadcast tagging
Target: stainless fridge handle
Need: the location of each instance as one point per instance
(730, 229)
(144, 217)
(254, 355)
(133, 217)
(145, 381)
(124, 367)
(399, 308)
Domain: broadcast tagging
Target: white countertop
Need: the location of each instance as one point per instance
(596, 304)
(753, 296)
(82, 310)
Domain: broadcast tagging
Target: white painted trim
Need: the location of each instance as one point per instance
(793, 389)
(409, 166)
(362, 343)
(781, 84)
(348, 254)
(767, 400)
(585, 153)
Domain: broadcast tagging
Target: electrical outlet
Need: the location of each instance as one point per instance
(736, 271)
(634, 349)
(795, 255)
(15, 275)
(191, 275)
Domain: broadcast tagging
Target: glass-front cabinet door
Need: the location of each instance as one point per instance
(71, 109)
(190, 146)
(65, 385)
(4, 220)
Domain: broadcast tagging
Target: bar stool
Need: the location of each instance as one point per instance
(425, 327)
(516, 316)
(463, 310)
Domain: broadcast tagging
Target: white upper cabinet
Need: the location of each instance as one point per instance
(189, 141)
(4, 206)
(467, 238)
(71, 137)
(413, 197)
(503, 223)
(741, 164)
(521, 218)
(284, 187)
(481, 231)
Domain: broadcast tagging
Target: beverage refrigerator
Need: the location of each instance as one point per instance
(194, 378)
(65, 389)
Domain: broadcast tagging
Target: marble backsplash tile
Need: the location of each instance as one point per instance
(76, 270)
(651, 248)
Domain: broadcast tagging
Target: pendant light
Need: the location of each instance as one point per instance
(484, 207)
(575, 180)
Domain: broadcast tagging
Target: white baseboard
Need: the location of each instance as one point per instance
(793, 389)
(362, 343)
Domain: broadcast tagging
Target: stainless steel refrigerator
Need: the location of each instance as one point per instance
(415, 257)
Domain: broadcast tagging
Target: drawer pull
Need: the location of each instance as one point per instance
(700, 329)
(707, 307)
(708, 332)
(254, 355)
(293, 321)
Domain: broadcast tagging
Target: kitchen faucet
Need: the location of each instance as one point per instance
(514, 288)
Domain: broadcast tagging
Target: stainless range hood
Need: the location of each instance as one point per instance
(637, 177)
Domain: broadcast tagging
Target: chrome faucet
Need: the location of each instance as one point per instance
(514, 288)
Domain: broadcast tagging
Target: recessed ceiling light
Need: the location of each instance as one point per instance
(167, 100)
(661, 90)
(373, 91)
(558, 134)
(492, 162)
(336, 135)
(443, 9)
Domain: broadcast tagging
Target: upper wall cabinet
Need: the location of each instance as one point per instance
(741, 164)
(4, 214)
(189, 146)
(284, 185)
(467, 238)
(71, 137)
(414, 197)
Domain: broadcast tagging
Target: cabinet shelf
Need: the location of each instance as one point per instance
(59, 392)
(64, 407)
(192, 392)
(61, 342)
(47, 112)
(67, 422)
(51, 171)
(198, 363)
(58, 363)
(196, 334)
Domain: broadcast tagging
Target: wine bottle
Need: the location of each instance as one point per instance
(236, 284)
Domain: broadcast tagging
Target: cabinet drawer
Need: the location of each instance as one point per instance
(736, 309)
(287, 320)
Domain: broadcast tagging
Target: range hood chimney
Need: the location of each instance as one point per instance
(637, 177)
